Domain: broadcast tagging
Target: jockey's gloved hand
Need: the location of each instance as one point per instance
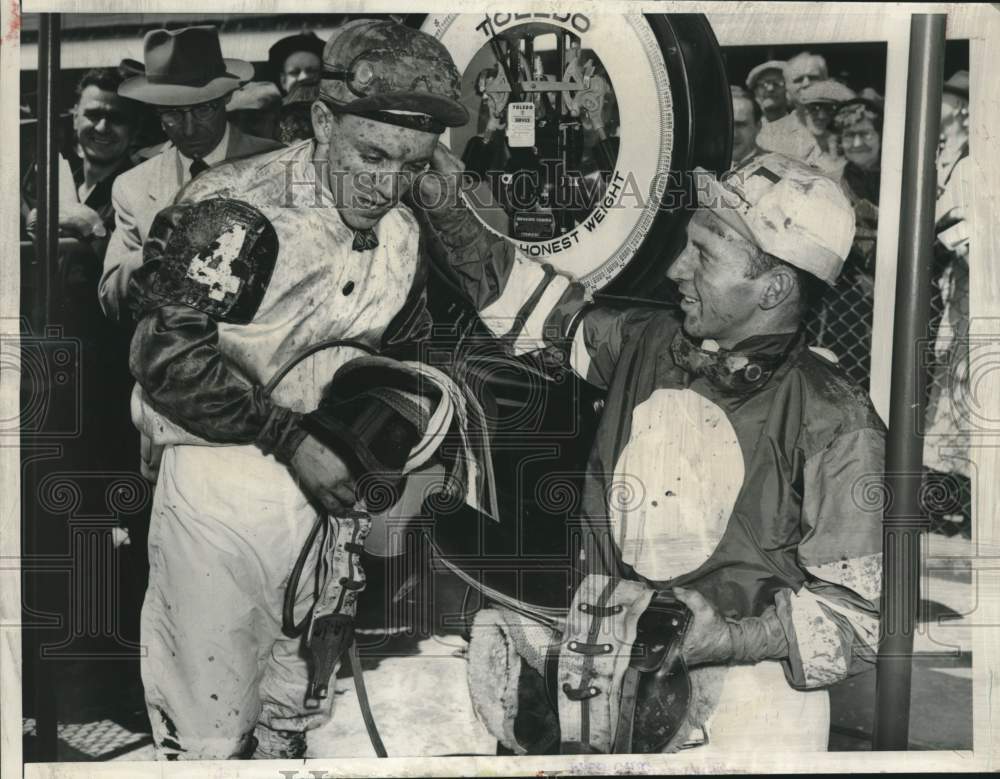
(712, 638)
(370, 417)
(435, 196)
(456, 239)
(708, 639)
(438, 186)
(323, 475)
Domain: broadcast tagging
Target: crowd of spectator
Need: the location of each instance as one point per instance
(133, 139)
(795, 108)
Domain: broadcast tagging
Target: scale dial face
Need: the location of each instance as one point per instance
(571, 135)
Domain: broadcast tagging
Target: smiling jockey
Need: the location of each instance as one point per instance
(734, 466)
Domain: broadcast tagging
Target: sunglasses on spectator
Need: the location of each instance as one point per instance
(202, 112)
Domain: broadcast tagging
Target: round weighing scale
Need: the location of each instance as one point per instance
(583, 131)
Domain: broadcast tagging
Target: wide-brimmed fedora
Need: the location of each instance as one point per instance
(185, 67)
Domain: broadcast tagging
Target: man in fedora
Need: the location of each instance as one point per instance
(189, 83)
(242, 479)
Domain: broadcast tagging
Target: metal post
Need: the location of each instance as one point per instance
(42, 315)
(47, 245)
(904, 520)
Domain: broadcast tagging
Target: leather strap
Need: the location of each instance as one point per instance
(626, 712)
(362, 692)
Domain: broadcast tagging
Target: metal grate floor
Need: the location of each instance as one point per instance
(101, 740)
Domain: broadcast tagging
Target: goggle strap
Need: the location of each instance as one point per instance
(336, 74)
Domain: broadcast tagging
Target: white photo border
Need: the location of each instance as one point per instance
(746, 23)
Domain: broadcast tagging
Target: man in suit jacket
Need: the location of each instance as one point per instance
(189, 83)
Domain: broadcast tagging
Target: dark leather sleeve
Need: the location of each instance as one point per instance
(176, 359)
(477, 261)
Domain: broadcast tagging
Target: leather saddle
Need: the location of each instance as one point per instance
(621, 685)
(612, 680)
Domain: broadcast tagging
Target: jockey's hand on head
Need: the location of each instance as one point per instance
(439, 185)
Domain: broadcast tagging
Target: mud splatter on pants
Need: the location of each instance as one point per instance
(227, 526)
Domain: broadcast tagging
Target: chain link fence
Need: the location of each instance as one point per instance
(841, 321)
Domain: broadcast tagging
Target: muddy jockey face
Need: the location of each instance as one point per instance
(755, 230)
(387, 93)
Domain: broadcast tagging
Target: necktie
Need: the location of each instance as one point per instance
(364, 240)
(198, 165)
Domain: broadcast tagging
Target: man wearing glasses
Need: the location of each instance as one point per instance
(189, 83)
(790, 134)
(805, 134)
(767, 82)
(820, 101)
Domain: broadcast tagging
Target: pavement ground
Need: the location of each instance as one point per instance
(417, 687)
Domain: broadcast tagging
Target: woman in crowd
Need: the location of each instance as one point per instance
(858, 124)
(844, 315)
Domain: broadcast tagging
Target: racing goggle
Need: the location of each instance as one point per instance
(369, 76)
(379, 71)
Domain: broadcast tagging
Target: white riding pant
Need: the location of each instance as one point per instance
(227, 525)
(759, 712)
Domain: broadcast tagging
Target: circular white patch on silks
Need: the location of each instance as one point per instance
(684, 454)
